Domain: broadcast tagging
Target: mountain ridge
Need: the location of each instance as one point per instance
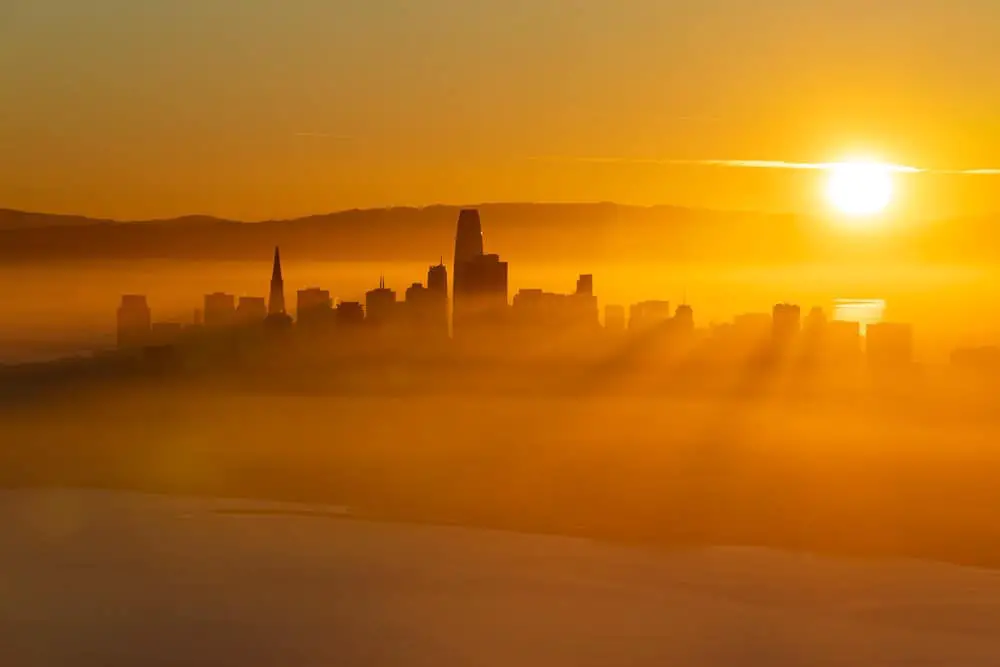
(525, 231)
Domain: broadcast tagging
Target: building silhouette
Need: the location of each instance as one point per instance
(134, 321)
(220, 310)
(481, 300)
(380, 305)
(421, 315)
(479, 297)
(647, 315)
(251, 310)
(277, 317)
(437, 296)
(468, 243)
(786, 324)
(584, 303)
(276, 302)
(313, 307)
(684, 319)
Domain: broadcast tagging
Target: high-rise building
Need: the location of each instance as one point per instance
(418, 309)
(277, 318)
(134, 321)
(479, 297)
(251, 310)
(437, 279)
(786, 323)
(437, 296)
(276, 304)
(684, 319)
(648, 314)
(584, 302)
(313, 307)
(468, 240)
(380, 304)
(220, 309)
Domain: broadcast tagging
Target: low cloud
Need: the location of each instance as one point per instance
(760, 164)
(322, 135)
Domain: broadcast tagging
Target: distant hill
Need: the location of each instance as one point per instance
(11, 219)
(552, 232)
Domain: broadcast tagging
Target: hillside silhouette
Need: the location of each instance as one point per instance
(528, 231)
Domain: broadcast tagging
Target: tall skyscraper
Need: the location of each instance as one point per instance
(468, 238)
(277, 319)
(276, 304)
(479, 297)
(134, 321)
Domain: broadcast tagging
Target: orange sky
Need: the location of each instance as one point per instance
(274, 108)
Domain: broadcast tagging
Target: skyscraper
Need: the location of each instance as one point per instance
(786, 323)
(479, 296)
(276, 304)
(437, 299)
(647, 315)
(684, 319)
(220, 309)
(313, 307)
(380, 304)
(277, 318)
(251, 310)
(437, 279)
(468, 239)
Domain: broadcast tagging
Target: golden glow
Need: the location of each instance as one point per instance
(859, 189)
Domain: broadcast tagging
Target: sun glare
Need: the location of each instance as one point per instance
(859, 189)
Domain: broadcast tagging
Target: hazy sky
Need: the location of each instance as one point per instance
(268, 108)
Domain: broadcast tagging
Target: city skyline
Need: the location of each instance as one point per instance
(481, 314)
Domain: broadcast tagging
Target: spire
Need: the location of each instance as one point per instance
(276, 271)
(381, 281)
(276, 305)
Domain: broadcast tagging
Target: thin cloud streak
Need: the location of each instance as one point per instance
(322, 135)
(764, 164)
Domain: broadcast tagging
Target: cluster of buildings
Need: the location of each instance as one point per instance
(478, 307)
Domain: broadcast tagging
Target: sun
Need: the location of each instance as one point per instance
(859, 188)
